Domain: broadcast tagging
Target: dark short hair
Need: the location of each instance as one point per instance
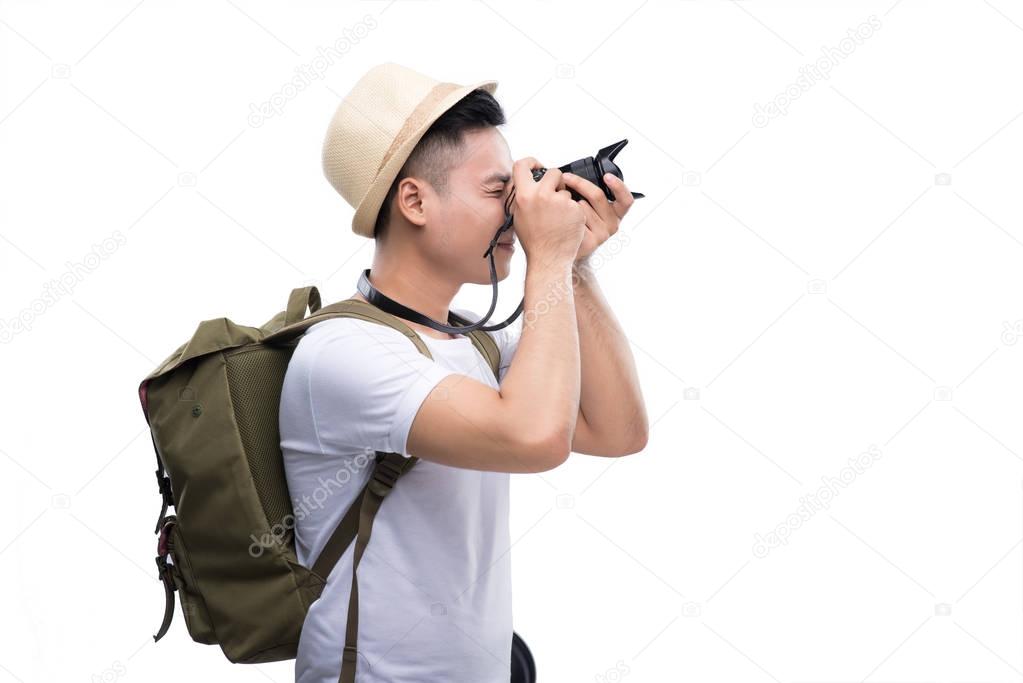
(436, 151)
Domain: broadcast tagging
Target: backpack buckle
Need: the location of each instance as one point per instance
(349, 654)
(163, 482)
(386, 474)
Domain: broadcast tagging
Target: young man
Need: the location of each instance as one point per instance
(428, 172)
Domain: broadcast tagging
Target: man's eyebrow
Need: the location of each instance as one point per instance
(496, 177)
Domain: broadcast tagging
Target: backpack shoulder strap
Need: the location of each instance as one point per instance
(363, 310)
(349, 308)
(483, 342)
(357, 522)
(488, 347)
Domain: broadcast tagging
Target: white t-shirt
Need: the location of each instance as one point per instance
(435, 579)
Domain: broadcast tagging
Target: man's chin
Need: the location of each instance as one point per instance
(484, 279)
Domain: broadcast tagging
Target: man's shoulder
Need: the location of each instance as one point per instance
(347, 338)
(358, 336)
(343, 327)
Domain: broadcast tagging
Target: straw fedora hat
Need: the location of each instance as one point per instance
(375, 129)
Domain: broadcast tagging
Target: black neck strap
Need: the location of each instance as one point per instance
(391, 306)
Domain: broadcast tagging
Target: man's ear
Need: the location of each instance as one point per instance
(409, 200)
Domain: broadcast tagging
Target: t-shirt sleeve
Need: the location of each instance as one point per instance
(366, 384)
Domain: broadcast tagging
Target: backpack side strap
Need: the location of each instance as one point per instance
(348, 527)
(389, 468)
(164, 574)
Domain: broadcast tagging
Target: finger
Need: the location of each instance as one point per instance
(585, 188)
(623, 197)
(522, 171)
(552, 179)
(594, 222)
(593, 194)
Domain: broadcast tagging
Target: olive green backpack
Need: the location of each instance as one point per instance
(229, 553)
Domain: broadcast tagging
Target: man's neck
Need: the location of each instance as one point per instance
(412, 284)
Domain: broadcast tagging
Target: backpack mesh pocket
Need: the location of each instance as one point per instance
(255, 376)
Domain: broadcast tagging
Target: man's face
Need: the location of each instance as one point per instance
(462, 221)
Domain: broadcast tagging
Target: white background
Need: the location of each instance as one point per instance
(843, 280)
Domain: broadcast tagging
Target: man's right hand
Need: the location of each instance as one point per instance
(548, 222)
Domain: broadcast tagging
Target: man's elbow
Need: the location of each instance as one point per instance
(637, 444)
(639, 432)
(548, 449)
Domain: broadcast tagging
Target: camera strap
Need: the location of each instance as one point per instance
(391, 306)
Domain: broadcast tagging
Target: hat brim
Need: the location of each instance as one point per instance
(369, 206)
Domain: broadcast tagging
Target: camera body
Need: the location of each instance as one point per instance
(593, 169)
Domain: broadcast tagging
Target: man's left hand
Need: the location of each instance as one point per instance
(602, 217)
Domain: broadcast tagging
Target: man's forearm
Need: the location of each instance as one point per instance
(544, 380)
(611, 401)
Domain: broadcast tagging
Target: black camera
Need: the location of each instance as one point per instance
(593, 169)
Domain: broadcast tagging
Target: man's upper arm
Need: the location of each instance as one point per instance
(465, 423)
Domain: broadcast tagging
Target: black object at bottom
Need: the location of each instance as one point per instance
(523, 668)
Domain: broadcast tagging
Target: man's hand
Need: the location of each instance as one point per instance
(602, 217)
(547, 221)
